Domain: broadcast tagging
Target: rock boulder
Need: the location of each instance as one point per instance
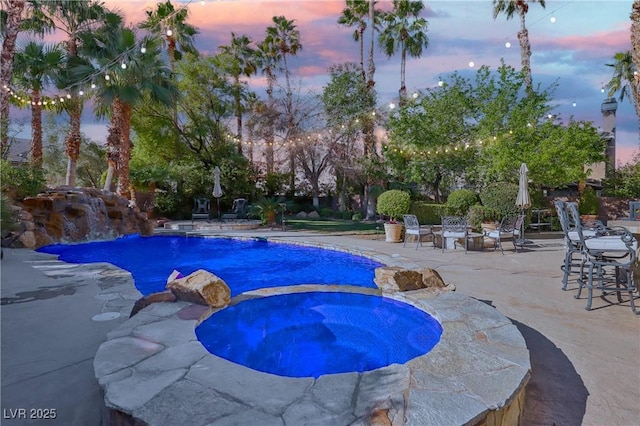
(201, 287)
(393, 278)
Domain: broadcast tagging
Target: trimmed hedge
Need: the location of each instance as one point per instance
(429, 213)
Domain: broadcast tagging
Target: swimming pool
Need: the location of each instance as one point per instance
(243, 264)
(317, 333)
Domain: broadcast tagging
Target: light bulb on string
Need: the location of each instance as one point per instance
(415, 95)
(471, 64)
(143, 49)
(68, 96)
(106, 77)
(81, 93)
(507, 45)
(93, 85)
(552, 19)
(123, 66)
(169, 32)
(602, 90)
(574, 104)
(392, 105)
(440, 83)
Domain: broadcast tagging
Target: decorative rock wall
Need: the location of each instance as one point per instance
(66, 214)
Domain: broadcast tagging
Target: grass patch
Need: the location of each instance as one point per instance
(333, 225)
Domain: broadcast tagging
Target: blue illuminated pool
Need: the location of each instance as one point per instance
(243, 265)
(317, 333)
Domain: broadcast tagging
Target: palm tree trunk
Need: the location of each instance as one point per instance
(362, 30)
(113, 142)
(11, 30)
(125, 151)
(525, 51)
(403, 87)
(635, 54)
(73, 140)
(270, 129)
(36, 129)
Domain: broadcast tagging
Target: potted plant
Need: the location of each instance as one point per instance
(588, 205)
(393, 203)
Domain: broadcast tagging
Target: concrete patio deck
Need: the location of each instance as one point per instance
(585, 365)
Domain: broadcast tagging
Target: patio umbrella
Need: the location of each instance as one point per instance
(217, 190)
(523, 201)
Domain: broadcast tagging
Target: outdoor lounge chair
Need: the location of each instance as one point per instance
(509, 229)
(201, 209)
(412, 227)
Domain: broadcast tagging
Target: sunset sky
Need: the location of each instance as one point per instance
(572, 50)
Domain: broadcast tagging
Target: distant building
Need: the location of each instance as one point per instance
(601, 170)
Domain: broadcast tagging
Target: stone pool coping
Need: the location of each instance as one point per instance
(152, 368)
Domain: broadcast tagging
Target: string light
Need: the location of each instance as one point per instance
(552, 19)
(169, 32)
(123, 66)
(507, 45)
(143, 49)
(471, 64)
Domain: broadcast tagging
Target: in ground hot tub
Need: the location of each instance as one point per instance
(317, 333)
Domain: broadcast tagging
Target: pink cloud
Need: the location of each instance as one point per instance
(591, 45)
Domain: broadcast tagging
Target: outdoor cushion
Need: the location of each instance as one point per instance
(587, 233)
(451, 234)
(608, 243)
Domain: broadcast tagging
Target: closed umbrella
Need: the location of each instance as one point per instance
(523, 200)
(217, 190)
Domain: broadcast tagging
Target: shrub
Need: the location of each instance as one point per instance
(480, 214)
(22, 181)
(169, 204)
(394, 203)
(8, 219)
(430, 214)
(357, 216)
(501, 196)
(589, 202)
(326, 212)
(461, 200)
(347, 215)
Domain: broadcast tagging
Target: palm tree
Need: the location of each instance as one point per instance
(35, 66)
(635, 53)
(171, 24)
(285, 37)
(355, 15)
(75, 19)
(239, 58)
(521, 7)
(144, 73)
(9, 34)
(268, 59)
(404, 31)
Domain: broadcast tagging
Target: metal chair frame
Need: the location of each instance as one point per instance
(412, 227)
(455, 227)
(611, 256)
(509, 225)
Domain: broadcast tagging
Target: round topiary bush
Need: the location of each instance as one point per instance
(461, 200)
(500, 196)
(394, 203)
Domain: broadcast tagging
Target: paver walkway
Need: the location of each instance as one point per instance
(586, 367)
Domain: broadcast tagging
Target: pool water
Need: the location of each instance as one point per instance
(317, 333)
(243, 265)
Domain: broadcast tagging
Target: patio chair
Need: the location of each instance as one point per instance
(412, 227)
(611, 256)
(572, 241)
(454, 227)
(509, 229)
(201, 209)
